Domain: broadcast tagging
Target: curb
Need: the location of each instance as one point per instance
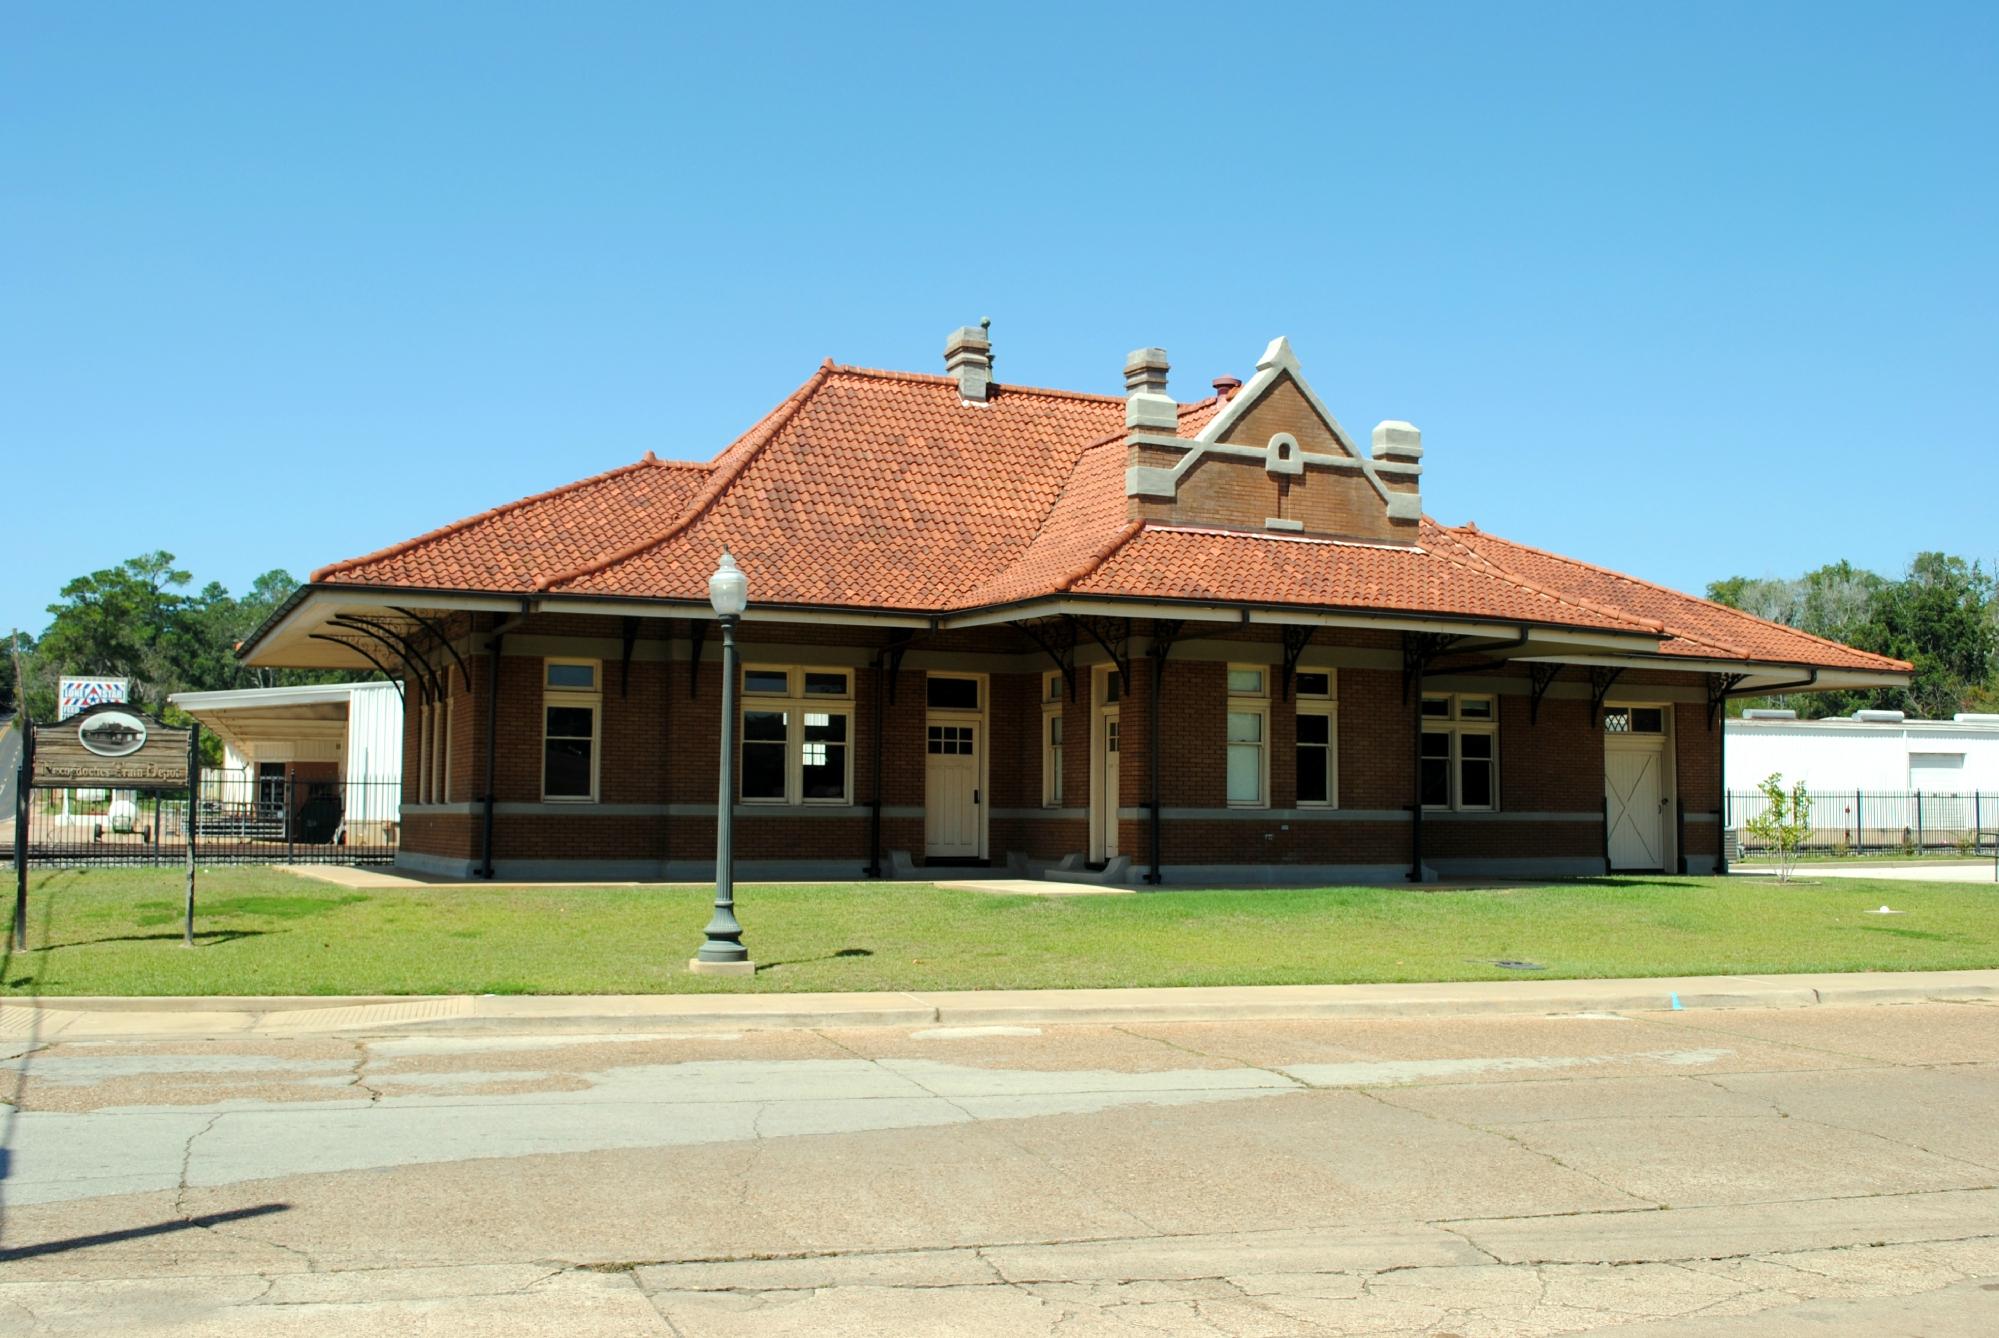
(200, 1017)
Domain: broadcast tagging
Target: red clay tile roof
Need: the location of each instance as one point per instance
(504, 548)
(1698, 627)
(1183, 562)
(885, 490)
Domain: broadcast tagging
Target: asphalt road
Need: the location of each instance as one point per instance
(1720, 1172)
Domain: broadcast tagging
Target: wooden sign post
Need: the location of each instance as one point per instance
(108, 747)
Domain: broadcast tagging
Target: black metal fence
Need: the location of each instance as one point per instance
(1879, 822)
(238, 818)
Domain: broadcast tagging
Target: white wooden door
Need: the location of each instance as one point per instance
(1107, 801)
(1634, 788)
(951, 790)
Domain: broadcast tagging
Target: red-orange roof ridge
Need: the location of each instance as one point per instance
(1723, 609)
(1102, 555)
(648, 461)
(1518, 581)
(1003, 387)
(724, 471)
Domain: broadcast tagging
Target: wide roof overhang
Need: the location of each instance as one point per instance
(328, 627)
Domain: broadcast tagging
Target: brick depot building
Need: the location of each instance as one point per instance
(1076, 635)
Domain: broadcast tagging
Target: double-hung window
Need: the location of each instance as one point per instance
(1460, 753)
(1248, 729)
(797, 732)
(571, 707)
(1318, 737)
(1052, 687)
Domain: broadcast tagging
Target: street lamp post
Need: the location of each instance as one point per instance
(723, 952)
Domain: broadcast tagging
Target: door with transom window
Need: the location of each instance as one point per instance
(1636, 787)
(954, 768)
(1106, 690)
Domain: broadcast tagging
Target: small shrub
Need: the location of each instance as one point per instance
(1784, 824)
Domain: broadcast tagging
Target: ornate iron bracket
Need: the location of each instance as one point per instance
(1295, 641)
(1418, 650)
(1062, 650)
(892, 653)
(1165, 631)
(1718, 688)
(438, 632)
(428, 686)
(697, 633)
(1540, 677)
(362, 651)
(1600, 681)
(1114, 635)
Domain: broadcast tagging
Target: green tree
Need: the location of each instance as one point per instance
(1942, 616)
(139, 620)
(1939, 618)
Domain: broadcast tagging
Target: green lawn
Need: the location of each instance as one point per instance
(263, 932)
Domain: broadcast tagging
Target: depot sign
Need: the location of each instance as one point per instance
(111, 746)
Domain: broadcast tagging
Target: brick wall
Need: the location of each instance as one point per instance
(658, 746)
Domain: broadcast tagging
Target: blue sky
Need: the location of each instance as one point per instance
(1688, 290)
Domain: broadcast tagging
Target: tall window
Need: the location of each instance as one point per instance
(1317, 738)
(797, 735)
(1248, 724)
(1460, 754)
(1051, 740)
(570, 707)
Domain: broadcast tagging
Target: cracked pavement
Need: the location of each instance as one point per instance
(1718, 1172)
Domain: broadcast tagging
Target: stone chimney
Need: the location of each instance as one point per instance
(1147, 405)
(1400, 445)
(968, 356)
(1398, 441)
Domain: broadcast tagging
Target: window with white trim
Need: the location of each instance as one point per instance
(1052, 688)
(1248, 763)
(1460, 752)
(797, 732)
(571, 709)
(1317, 737)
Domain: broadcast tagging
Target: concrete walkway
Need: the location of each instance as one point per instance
(73, 1019)
(1933, 871)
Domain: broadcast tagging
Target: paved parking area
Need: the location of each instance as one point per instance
(1723, 1172)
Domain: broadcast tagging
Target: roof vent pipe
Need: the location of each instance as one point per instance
(1880, 717)
(1226, 386)
(968, 356)
(1147, 404)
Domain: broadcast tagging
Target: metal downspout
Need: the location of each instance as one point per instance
(492, 752)
(874, 869)
(1158, 874)
(493, 735)
(1721, 762)
(1416, 808)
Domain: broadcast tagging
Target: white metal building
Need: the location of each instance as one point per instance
(1875, 776)
(351, 733)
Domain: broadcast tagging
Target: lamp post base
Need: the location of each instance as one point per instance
(701, 968)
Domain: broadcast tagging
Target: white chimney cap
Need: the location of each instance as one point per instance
(1880, 717)
(1768, 713)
